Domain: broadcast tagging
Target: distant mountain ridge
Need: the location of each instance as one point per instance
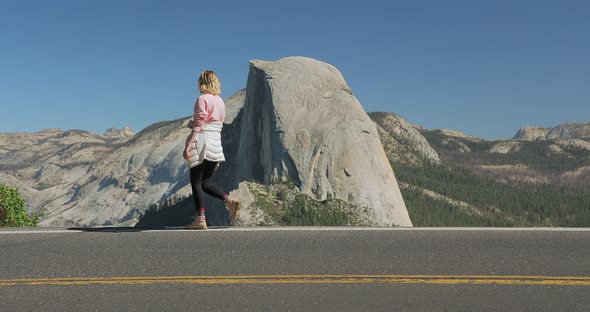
(118, 172)
(565, 131)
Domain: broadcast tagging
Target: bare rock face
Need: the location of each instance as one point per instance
(119, 134)
(300, 121)
(566, 131)
(402, 141)
(505, 147)
(569, 131)
(456, 144)
(79, 178)
(233, 106)
(458, 134)
(531, 133)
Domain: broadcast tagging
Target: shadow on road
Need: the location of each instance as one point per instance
(182, 213)
(110, 229)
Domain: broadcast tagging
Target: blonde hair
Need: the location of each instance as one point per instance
(209, 83)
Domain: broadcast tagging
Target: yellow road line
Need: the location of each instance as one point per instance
(308, 279)
(309, 276)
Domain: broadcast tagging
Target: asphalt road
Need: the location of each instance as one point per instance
(295, 270)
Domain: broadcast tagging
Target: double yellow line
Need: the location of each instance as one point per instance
(307, 279)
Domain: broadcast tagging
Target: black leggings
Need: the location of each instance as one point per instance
(201, 183)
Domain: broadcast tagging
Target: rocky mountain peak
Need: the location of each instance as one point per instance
(300, 121)
(403, 141)
(126, 132)
(531, 133)
(565, 131)
(458, 134)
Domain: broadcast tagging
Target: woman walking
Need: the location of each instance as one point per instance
(203, 151)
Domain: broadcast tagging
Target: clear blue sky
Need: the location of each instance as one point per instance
(481, 67)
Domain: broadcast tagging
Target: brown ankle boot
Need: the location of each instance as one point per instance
(200, 223)
(233, 206)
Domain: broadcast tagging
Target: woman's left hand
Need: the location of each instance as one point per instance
(189, 144)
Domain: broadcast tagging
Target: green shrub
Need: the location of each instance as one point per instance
(283, 204)
(12, 209)
(305, 211)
